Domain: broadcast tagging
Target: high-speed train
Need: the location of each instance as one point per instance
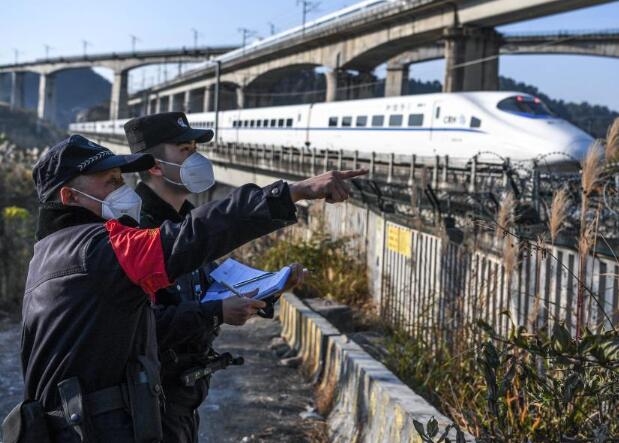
(461, 125)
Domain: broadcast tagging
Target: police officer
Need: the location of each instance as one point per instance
(89, 353)
(185, 327)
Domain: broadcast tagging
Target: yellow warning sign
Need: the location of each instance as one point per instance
(399, 240)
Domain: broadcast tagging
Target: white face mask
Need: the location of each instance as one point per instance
(122, 201)
(196, 173)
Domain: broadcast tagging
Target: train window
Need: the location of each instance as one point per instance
(273, 123)
(258, 123)
(378, 120)
(521, 104)
(280, 123)
(332, 121)
(415, 120)
(289, 123)
(395, 120)
(265, 123)
(347, 121)
(252, 123)
(362, 120)
(234, 123)
(475, 122)
(438, 112)
(246, 124)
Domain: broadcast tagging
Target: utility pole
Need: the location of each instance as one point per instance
(134, 40)
(307, 6)
(16, 52)
(47, 49)
(85, 45)
(195, 38)
(246, 33)
(272, 26)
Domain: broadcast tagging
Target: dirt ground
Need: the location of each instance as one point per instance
(260, 401)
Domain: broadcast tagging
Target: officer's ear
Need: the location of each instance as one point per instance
(156, 170)
(68, 196)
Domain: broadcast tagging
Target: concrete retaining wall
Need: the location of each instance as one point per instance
(370, 404)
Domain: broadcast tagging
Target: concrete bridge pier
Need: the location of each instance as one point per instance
(120, 95)
(209, 98)
(240, 97)
(478, 46)
(396, 82)
(331, 81)
(17, 90)
(46, 108)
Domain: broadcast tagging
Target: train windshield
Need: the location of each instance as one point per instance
(527, 106)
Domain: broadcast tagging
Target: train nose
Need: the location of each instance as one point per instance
(578, 147)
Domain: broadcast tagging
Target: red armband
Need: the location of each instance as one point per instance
(140, 254)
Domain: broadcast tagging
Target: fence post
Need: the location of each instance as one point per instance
(326, 163)
(506, 167)
(313, 155)
(390, 170)
(355, 160)
(437, 163)
(536, 180)
(445, 170)
(339, 159)
(473, 182)
(411, 175)
(372, 164)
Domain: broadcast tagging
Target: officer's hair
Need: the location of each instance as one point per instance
(55, 198)
(156, 151)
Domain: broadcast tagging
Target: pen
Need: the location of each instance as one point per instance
(254, 279)
(231, 289)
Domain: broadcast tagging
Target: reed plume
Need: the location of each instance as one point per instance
(505, 217)
(558, 213)
(591, 169)
(612, 142)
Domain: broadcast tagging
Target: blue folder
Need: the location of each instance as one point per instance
(245, 279)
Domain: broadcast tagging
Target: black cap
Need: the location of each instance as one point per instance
(167, 127)
(77, 155)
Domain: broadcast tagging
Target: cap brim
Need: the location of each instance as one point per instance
(199, 135)
(126, 163)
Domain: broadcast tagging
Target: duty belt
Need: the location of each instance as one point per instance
(97, 403)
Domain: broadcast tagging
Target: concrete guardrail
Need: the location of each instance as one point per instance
(367, 402)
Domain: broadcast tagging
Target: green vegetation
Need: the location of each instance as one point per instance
(17, 221)
(333, 272)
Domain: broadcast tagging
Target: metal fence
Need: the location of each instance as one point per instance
(432, 288)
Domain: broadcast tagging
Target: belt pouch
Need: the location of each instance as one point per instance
(144, 389)
(74, 409)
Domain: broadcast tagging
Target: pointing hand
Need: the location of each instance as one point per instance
(331, 186)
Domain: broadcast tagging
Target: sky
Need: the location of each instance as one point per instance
(28, 25)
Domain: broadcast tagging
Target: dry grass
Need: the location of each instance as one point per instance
(511, 249)
(505, 217)
(612, 142)
(558, 213)
(591, 169)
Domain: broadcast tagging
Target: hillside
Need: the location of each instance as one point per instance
(25, 130)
